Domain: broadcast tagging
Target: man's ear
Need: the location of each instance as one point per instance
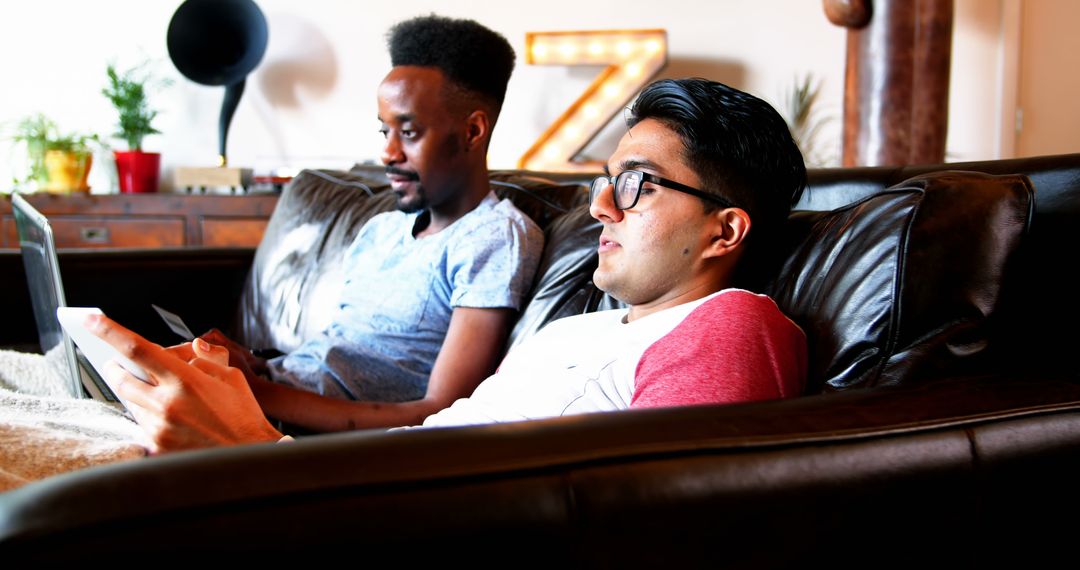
(729, 228)
(477, 130)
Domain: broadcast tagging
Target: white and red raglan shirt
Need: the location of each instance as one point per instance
(732, 346)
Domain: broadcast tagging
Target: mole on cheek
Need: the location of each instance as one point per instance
(685, 251)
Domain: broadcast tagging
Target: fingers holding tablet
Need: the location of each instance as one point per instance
(98, 338)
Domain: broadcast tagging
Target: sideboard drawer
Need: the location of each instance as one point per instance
(233, 232)
(79, 232)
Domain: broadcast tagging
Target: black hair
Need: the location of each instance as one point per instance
(471, 56)
(740, 148)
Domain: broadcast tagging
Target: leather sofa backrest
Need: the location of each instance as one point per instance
(901, 284)
(1054, 177)
(1037, 294)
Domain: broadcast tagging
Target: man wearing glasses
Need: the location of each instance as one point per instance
(691, 206)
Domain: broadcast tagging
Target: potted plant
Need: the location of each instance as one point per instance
(67, 162)
(58, 163)
(136, 170)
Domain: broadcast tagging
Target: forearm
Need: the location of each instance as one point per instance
(323, 414)
(469, 354)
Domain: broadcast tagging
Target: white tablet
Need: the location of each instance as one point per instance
(97, 351)
(175, 323)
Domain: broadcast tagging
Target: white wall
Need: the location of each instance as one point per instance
(311, 102)
(1047, 88)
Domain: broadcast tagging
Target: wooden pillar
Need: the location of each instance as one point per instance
(896, 84)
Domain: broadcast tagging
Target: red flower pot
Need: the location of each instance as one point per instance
(137, 170)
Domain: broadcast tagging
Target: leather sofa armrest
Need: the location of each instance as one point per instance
(575, 487)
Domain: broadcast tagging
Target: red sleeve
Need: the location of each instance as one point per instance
(735, 347)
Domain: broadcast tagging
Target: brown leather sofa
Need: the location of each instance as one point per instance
(940, 425)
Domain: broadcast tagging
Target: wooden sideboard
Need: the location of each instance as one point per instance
(82, 221)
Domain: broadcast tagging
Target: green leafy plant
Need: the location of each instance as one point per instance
(804, 120)
(40, 134)
(35, 132)
(127, 91)
(76, 143)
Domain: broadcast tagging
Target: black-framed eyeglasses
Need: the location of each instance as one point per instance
(628, 188)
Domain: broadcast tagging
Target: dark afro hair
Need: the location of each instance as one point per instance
(470, 55)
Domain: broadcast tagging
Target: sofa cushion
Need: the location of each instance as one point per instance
(295, 279)
(563, 285)
(541, 198)
(903, 284)
(1028, 308)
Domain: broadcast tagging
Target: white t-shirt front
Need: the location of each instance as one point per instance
(575, 365)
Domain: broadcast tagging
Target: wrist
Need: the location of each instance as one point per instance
(260, 386)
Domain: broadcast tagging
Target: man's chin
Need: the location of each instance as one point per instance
(409, 208)
(410, 204)
(602, 281)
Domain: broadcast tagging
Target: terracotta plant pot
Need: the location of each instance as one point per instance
(137, 171)
(67, 171)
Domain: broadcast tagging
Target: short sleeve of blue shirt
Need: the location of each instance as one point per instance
(491, 265)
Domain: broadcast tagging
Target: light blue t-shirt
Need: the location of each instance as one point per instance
(398, 296)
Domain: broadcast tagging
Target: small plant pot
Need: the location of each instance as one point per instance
(137, 171)
(67, 171)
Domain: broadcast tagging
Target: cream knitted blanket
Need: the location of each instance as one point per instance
(45, 431)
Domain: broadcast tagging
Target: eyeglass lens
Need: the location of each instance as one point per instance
(627, 185)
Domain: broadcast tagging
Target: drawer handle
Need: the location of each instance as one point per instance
(94, 234)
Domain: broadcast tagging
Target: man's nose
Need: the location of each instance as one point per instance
(603, 205)
(391, 153)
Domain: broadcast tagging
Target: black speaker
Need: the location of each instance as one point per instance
(218, 42)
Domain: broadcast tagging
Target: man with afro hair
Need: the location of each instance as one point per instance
(438, 282)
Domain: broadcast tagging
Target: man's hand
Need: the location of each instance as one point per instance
(240, 356)
(193, 398)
